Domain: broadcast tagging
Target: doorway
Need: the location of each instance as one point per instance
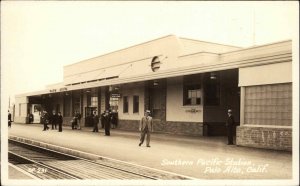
(221, 92)
(88, 114)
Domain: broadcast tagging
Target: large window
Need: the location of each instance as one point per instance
(192, 89)
(269, 104)
(135, 104)
(192, 95)
(94, 101)
(125, 104)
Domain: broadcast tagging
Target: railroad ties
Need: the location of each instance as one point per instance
(48, 164)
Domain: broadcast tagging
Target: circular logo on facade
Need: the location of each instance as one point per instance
(155, 63)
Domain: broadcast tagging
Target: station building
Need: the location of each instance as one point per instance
(187, 84)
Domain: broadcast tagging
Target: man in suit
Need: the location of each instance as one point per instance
(9, 119)
(59, 121)
(45, 120)
(54, 120)
(146, 127)
(230, 125)
(106, 122)
(95, 122)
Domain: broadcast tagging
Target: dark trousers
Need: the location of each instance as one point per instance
(95, 128)
(54, 125)
(9, 124)
(60, 127)
(107, 131)
(46, 126)
(143, 134)
(74, 125)
(230, 134)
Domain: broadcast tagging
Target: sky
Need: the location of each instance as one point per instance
(38, 38)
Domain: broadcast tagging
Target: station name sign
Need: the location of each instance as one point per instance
(61, 90)
(115, 95)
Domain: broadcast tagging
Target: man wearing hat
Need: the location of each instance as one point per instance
(106, 122)
(230, 125)
(146, 126)
(95, 121)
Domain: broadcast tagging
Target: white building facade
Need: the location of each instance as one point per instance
(187, 84)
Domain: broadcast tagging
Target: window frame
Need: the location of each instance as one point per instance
(191, 87)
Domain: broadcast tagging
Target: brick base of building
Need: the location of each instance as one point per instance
(170, 127)
(267, 137)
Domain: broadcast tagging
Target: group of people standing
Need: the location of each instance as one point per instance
(53, 119)
(107, 118)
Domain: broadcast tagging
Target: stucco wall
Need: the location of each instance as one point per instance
(139, 57)
(266, 74)
(175, 109)
(131, 90)
(190, 46)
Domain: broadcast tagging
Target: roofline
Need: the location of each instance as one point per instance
(209, 42)
(258, 46)
(121, 49)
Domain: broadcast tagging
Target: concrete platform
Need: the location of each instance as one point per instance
(199, 157)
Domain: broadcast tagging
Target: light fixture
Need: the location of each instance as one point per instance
(213, 75)
(88, 90)
(67, 93)
(155, 83)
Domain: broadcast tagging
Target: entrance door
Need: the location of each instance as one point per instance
(88, 116)
(157, 99)
(221, 92)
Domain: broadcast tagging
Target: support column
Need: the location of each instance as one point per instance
(242, 106)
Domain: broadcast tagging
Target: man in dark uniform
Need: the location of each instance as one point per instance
(59, 121)
(45, 119)
(9, 119)
(95, 122)
(54, 120)
(230, 125)
(31, 118)
(106, 122)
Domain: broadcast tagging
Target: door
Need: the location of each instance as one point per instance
(88, 116)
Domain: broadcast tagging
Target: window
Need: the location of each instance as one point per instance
(94, 101)
(135, 104)
(192, 95)
(269, 104)
(114, 102)
(125, 104)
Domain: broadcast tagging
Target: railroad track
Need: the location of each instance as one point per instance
(44, 163)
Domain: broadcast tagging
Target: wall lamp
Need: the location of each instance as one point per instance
(213, 75)
(155, 83)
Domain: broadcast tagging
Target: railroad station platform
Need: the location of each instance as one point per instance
(197, 157)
